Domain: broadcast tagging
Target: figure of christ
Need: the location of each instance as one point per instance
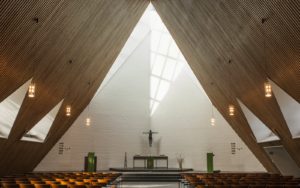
(150, 137)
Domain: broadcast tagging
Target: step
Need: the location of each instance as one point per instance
(150, 177)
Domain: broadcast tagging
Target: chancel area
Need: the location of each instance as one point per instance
(149, 93)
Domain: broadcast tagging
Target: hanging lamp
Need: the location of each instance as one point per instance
(32, 86)
(68, 110)
(268, 89)
(231, 110)
(88, 118)
(88, 121)
(267, 85)
(212, 119)
(31, 90)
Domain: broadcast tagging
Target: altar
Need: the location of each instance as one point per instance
(150, 159)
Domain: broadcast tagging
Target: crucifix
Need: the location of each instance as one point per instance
(150, 138)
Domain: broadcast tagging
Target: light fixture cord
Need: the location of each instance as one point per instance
(36, 21)
(212, 110)
(90, 101)
(265, 45)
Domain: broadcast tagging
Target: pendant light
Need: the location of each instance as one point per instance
(88, 118)
(268, 89)
(68, 110)
(231, 110)
(31, 90)
(32, 87)
(88, 121)
(69, 107)
(267, 85)
(212, 119)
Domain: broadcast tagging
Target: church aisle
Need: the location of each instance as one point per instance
(149, 185)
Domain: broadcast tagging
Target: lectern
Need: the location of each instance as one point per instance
(90, 162)
(210, 162)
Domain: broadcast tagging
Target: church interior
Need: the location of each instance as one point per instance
(149, 93)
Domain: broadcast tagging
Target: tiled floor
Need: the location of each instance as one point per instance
(149, 185)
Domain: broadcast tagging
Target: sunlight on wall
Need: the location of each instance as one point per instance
(166, 61)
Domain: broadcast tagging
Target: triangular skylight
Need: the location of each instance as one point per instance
(259, 129)
(40, 131)
(166, 60)
(290, 109)
(9, 109)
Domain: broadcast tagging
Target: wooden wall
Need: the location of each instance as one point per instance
(232, 47)
(68, 52)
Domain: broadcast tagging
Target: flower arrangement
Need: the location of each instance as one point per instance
(180, 160)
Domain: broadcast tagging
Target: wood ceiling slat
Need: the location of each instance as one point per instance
(282, 33)
(89, 34)
(210, 33)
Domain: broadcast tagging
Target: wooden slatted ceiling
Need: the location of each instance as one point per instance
(67, 52)
(223, 41)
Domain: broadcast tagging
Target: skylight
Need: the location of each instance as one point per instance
(261, 132)
(290, 109)
(9, 109)
(40, 131)
(166, 60)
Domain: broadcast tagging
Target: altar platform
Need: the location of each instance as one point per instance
(141, 169)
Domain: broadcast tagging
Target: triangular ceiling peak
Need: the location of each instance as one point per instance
(290, 109)
(261, 132)
(9, 109)
(40, 131)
